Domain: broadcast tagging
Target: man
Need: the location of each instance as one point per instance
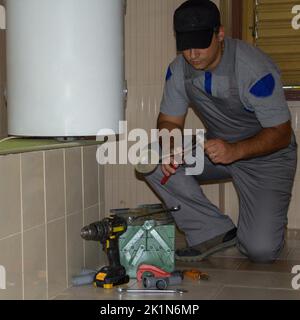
(237, 92)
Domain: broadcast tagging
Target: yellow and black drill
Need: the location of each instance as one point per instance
(108, 231)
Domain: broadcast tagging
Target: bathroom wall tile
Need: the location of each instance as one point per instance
(10, 196)
(90, 176)
(73, 167)
(101, 183)
(11, 260)
(102, 212)
(56, 257)
(92, 248)
(212, 193)
(54, 175)
(35, 271)
(32, 189)
(74, 245)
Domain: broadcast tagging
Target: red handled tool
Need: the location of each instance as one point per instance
(156, 271)
(165, 179)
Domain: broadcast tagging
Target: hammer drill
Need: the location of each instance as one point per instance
(107, 232)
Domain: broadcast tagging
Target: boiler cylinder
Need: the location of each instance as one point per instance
(65, 66)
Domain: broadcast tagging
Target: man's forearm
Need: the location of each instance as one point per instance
(268, 141)
(168, 125)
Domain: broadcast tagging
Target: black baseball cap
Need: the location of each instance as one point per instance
(195, 22)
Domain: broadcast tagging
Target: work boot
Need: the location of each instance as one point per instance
(207, 248)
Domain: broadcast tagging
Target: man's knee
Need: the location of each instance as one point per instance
(153, 176)
(261, 252)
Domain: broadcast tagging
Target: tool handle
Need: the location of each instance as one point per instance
(165, 179)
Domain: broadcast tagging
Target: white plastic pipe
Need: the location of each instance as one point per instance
(65, 66)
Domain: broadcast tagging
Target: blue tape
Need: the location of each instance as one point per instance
(169, 74)
(264, 87)
(208, 82)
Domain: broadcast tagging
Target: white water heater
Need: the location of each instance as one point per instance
(65, 67)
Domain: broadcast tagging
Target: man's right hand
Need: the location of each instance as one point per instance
(169, 169)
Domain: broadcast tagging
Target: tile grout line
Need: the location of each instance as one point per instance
(22, 228)
(82, 194)
(98, 171)
(258, 287)
(46, 226)
(54, 220)
(99, 208)
(216, 294)
(12, 235)
(66, 219)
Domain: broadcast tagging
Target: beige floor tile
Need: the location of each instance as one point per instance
(248, 278)
(197, 291)
(233, 252)
(278, 266)
(243, 293)
(90, 293)
(229, 253)
(232, 276)
(213, 263)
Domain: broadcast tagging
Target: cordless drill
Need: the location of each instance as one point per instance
(108, 231)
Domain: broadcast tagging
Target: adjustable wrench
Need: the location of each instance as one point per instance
(124, 290)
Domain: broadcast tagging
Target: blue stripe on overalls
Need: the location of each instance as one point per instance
(208, 82)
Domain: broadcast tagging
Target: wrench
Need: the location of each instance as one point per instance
(124, 290)
(172, 209)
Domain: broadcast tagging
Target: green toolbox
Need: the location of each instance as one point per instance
(149, 239)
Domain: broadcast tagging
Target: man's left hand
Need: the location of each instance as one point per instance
(221, 152)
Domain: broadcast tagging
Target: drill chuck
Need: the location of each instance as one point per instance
(94, 232)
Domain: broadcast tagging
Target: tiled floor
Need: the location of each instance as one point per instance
(232, 276)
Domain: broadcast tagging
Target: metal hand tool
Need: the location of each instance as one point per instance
(124, 290)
